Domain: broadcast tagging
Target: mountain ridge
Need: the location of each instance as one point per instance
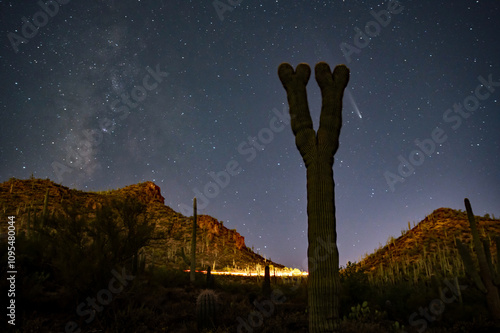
(217, 245)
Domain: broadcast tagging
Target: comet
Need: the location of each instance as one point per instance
(353, 103)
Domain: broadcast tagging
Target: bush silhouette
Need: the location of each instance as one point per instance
(75, 251)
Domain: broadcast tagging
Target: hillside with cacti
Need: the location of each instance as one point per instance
(170, 245)
(428, 248)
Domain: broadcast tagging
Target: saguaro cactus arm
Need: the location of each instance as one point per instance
(332, 87)
(489, 260)
(295, 83)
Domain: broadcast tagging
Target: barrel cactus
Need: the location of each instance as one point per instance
(206, 310)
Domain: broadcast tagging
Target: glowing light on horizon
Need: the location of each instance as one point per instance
(292, 274)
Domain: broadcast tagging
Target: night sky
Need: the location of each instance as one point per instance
(104, 94)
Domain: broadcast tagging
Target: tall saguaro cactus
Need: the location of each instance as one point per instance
(317, 150)
(193, 245)
(486, 278)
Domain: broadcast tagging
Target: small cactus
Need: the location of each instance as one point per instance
(362, 313)
(182, 254)
(152, 265)
(192, 275)
(206, 310)
(266, 286)
(210, 278)
(45, 205)
(142, 263)
(28, 222)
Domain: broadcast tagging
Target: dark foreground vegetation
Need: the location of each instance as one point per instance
(81, 272)
(163, 300)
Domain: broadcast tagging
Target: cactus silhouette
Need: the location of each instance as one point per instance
(486, 279)
(266, 285)
(45, 205)
(193, 244)
(206, 310)
(210, 278)
(317, 150)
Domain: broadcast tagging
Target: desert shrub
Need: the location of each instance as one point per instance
(75, 251)
(354, 288)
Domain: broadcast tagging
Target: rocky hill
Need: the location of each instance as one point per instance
(429, 247)
(217, 246)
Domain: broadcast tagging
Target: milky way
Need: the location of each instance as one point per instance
(102, 94)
